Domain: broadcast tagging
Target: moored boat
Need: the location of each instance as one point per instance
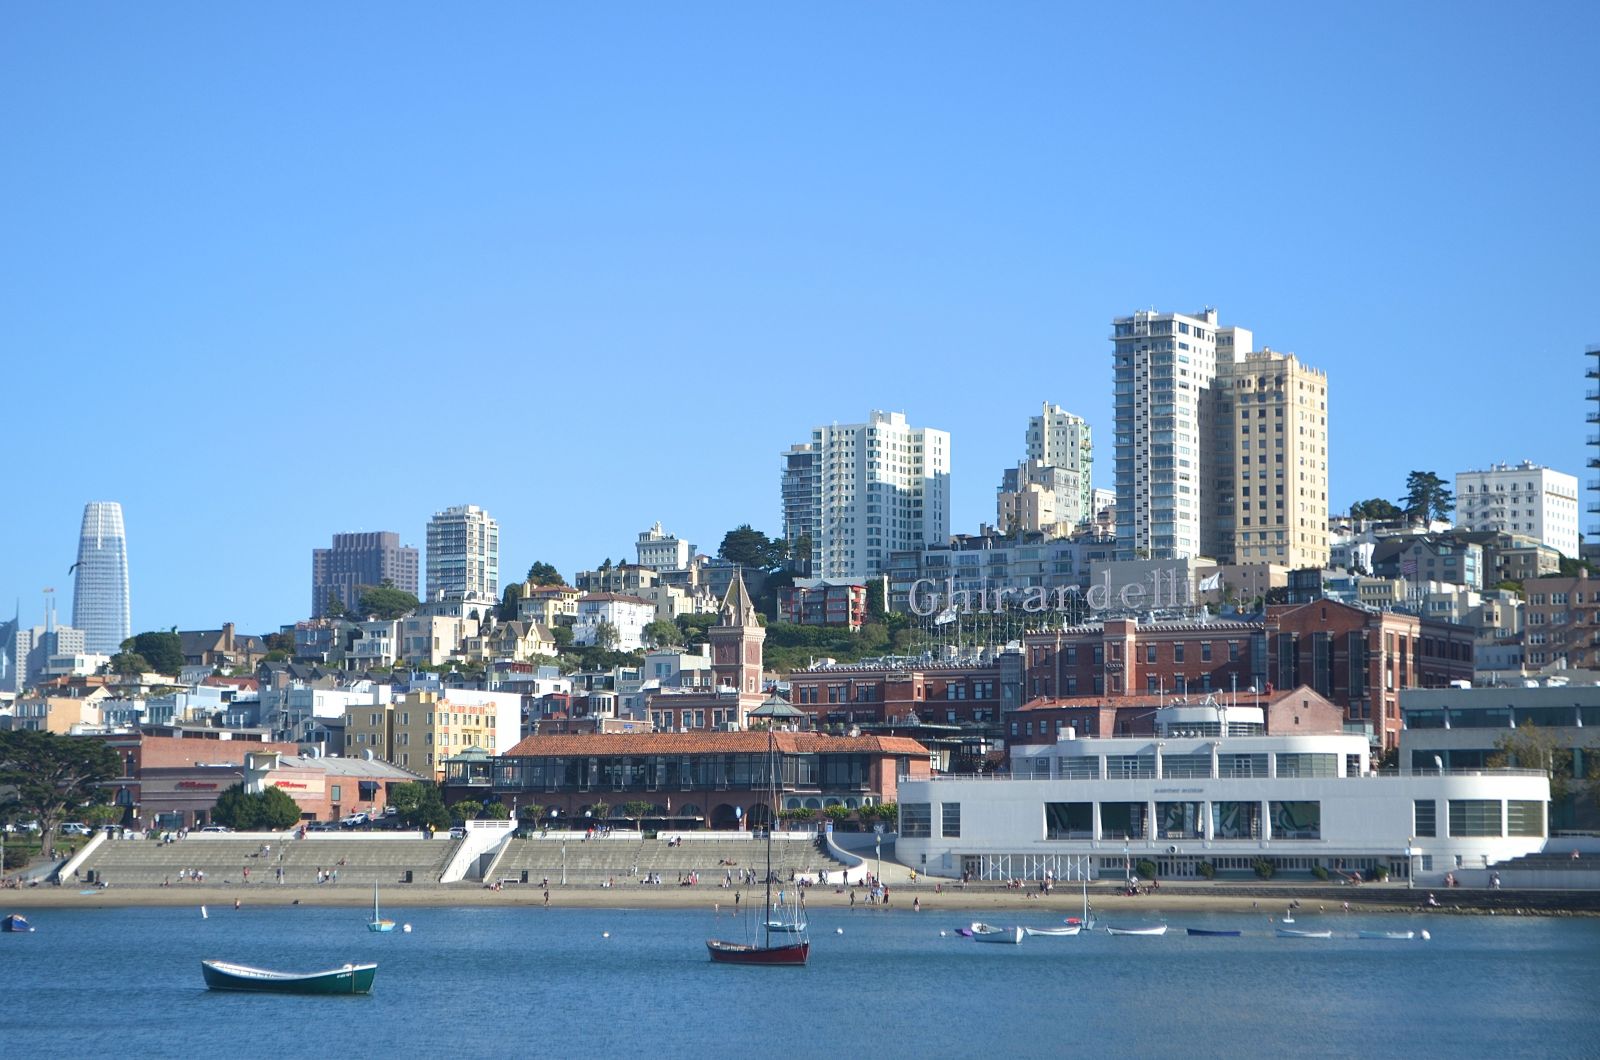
(1214, 933)
(786, 917)
(1292, 933)
(378, 923)
(1391, 936)
(1057, 932)
(741, 953)
(350, 979)
(1159, 929)
(15, 922)
(989, 933)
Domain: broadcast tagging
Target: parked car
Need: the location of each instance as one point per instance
(354, 820)
(76, 828)
(216, 828)
(322, 826)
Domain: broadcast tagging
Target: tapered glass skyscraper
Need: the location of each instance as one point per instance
(100, 594)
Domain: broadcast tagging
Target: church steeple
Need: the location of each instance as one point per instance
(737, 609)
(736, 640)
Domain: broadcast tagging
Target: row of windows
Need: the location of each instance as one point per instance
(1481, 818)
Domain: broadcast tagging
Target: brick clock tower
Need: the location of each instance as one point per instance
(736, 642)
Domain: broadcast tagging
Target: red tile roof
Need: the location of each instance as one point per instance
(682, 743)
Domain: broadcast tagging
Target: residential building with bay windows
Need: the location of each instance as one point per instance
(1211, 787)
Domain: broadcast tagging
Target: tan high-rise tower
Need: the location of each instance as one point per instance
(1271, 437)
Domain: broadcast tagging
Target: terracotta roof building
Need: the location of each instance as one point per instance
(690, 779)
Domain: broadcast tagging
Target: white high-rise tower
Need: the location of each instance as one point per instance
(463, 552)
(100, 594)
(876, 487)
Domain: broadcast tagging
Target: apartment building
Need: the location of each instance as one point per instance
(876, 487)
(1562, 622)
(357, 560)
(463, 552)
(1271, 440)
(419, 730)
(1164, 364)
(1522, 499)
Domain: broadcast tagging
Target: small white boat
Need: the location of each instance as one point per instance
(1289, 933)
(1390, 936)
(1062, 932)
(378, 923)
(1159, 929)
(989, 933)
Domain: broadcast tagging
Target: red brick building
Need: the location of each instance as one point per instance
(171, 776)
(1292, 711)
(1322, 644)
(1361, 659)
(946, 694)
(1121, 656)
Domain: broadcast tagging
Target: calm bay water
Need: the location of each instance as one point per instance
(525, 982)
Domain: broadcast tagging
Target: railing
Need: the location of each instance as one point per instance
(1386, 774)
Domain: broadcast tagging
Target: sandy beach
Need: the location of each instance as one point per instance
(924, 896)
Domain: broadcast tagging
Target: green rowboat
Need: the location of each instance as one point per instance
(350, 979)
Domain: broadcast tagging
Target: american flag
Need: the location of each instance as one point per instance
(1408, 565)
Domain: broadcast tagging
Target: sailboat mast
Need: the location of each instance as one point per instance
(772, 784)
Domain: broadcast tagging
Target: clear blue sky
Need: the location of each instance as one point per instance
(270, 272)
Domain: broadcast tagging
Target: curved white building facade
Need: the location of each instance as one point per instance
(1196, 793)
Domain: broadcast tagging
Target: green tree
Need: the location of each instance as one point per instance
(46, 777)
(662, 633)
(606, 636)
(467, 810)
(531, 814)
(749, 547)
(802, 554)
(271, 809)
(600, 811)
(636, 811)
(163, 652)
(129, 662)
(877, 606)
(545, 574)
(509, 599)
(1376, 508)
(562, 635)
(694, 628)
(1530, 747)
(1427, 498)
(333, 606)
(419, 805)
(102, 813)
(495, 810)
(838, 813)
(386, 602)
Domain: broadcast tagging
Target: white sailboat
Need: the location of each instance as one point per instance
(378, 923)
